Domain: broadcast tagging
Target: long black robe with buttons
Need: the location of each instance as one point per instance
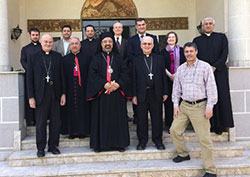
(214, 50)
(109, 124)
(77, 107)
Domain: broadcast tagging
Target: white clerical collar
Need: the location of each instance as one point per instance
(34, 43)
(90, 39)
(47, 53)
(208, 34)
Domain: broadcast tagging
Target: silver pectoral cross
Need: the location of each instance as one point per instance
(150, 76)
(75, 67)
(47, 78)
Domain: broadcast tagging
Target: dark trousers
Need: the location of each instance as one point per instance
(49, 109)
(29, 112)
(154, 107)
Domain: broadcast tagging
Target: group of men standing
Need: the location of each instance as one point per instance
(83, 87)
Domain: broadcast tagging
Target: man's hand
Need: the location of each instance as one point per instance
(208, 113)
(63, 100)
(32, 102)
(165, 97)
(114, 85)
(176, 112)
(172, 77)
(213, 68)
(134, 100)
(107, 86)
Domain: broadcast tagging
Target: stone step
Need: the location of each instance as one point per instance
(85, 154)
(233, 167)
(29, 142)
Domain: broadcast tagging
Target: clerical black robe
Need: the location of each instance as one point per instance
(26, 52)
(89, 47)
(77, 107)
(214, 50)
(109, 125)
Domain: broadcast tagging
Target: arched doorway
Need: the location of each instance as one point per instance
(102, 14)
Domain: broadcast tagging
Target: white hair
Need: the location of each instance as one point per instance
(45, 35)
(74, 38)
(147, 37)
(117, 23)
(208, 18)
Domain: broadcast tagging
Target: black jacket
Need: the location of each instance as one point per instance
(36, 74)
(140, 75)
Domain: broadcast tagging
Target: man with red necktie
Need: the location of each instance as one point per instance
(107, 90)
(76, 73)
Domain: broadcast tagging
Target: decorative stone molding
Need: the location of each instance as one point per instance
(171, 23)
(48, 25)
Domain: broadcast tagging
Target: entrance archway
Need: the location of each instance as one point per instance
(102, 14)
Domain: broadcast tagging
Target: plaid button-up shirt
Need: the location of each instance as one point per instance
(195, 82)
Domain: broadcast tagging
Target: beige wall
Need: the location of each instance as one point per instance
(21, 10)
(214, 9)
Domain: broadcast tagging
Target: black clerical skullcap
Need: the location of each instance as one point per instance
(107, 34)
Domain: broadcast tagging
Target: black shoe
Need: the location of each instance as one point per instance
(54, 150)
(141, 146)
(210, 175)
(180, 159)
(160, 146)
(72, 137)
(218, 132)
(121, 149)
(40, 153)
(97, 150)
(31, 123)
(81, 136)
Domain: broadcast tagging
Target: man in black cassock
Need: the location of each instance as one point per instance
(107, 89)
(213, 48)
(89, 45)
(33, 47)
(134, 47)
(150, 89)
(76, 73)
(46, 92)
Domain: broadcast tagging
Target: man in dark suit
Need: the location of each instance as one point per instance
(150, 89)
(46, 92)
(121, 44)
(33, 47)
(134, 46)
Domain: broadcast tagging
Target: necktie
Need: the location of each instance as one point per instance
(118, 43)
(78, 71)
(108, 74)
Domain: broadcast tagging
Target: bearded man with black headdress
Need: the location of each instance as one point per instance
(107, 90)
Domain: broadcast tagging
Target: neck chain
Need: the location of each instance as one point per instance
(111, 60)
(47, 69)
(149, 68)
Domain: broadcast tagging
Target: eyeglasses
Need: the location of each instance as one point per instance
(107, 41)
(48, 42)
(144, 43)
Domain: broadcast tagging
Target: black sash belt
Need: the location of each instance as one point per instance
(196, 102)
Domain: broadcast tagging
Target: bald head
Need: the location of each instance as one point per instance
(117, 29)
(47, 42)
(74, 45)
(147, 44)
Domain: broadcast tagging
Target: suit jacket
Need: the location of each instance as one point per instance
(140, 75)
(36, 74)
(59, 47)
(134, 47)
(123, 49)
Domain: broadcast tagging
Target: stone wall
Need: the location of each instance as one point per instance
(11, 108)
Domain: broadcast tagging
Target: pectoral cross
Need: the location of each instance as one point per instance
(150, 76)
(75, 68)
(47, 78)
